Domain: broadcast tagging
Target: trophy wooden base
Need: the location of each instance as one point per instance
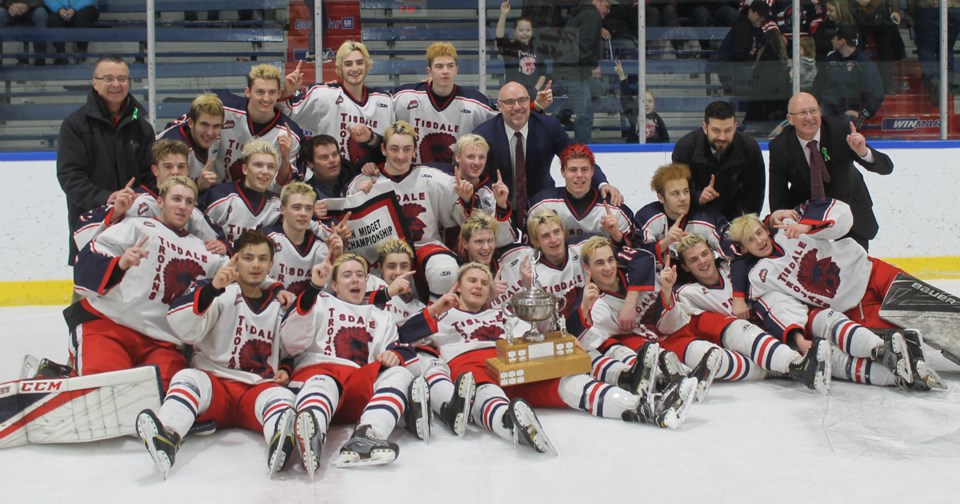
(524, 362)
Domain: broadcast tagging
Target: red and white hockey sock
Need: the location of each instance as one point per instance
(851, 337)
(490, 405)
(607, 369)
(860, 370)
(270, 404)
(598, 399)
(389, 400)
(188, 397)
(622, 354)
(765, 350)
(441, 386)
(733, 365)
(321, 395)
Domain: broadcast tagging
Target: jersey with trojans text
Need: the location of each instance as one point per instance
(145, 205)
(292, 262)
(239, 129)
(323, 329)
(199, 156)
(582, 218)
(653, 225)
(562, 280)
(236, 208)
(139, 297)
(329, 109)
(694, 298)
(636, 271)
(233, 336)
(818, 268)
(427, 200)
(440, 123)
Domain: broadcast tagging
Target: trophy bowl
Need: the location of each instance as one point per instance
(532, 305)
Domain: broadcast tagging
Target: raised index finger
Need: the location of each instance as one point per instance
(607, 207)
(713, 179)
(142, 241)
(130, 183)
(545, 88)
(499, 177)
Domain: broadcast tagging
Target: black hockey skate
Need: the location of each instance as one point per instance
(309, 440)
(282, 441)
(526, 428)
(417, 415)
(36, 367)
(924, 378)
(364, 449)
(456, 412)
(641, 378)
(670, 369)
(160, 442)
(705, 371)
(669, 408)
(813, 369)
(894, 355)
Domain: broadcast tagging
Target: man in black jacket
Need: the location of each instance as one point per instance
(727, 166)
(793, 161)
(738, 51)
(848, 83)
(579, 64)
(104, 146)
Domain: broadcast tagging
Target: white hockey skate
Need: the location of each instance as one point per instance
(526, 427)
(669, 408)
(417, 415)
(161, 443)
(813, 369)
(364, 449)
(309, 441)
(282, 441)
(456, 412)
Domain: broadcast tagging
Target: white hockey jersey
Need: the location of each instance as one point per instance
(440, 124)
(239, 129)
(145, 206)
(292, 263)
(237, 209)
(198, 157)
(138, 298)
(401, 308)
(427, 200)
(323, 109)
(459, 331)
(563, 280)
(582, 225)
(233, 337)
(694, 298)
(653, 225)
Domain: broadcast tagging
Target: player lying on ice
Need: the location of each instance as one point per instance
(804, 279)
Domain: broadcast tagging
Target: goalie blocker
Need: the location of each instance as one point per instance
(78, 409)
(913, 303)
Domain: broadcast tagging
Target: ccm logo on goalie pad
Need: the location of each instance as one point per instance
(37, 386)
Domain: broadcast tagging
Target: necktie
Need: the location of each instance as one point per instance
(520, 172)
(818, 171)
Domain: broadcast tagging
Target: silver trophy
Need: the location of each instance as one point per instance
(532, 305)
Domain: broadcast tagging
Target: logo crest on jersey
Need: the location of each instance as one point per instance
(229, 124)
(178, 275)
(297, 287)
(412, 105)
(236, 171)
(411, 214)
(819, 276)
(339, 100)
(569, 301)
(352, 343)
(763, 275)
(254, 358)
(486, 333)
(354, 150)
(435, 148)
(143, 209)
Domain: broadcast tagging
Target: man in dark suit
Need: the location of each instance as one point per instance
(540, 138)
(802, 170)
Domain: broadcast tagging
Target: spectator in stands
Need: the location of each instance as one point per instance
(836, 13)
(658, 13)
(104, 145)
(771, 86)
(881, 19)
(579, 65)
(848, 82)
(727, 166)
(710, 13)
(25, 13)
(926, 17)
(655, 131)
(808, 63)
(738, 51)
(73, 14)
(520, 60)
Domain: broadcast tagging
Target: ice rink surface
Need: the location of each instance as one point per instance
(771, 441)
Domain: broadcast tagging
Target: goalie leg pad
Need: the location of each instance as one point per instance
(913, 303)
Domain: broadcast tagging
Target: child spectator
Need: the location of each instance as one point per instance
(519, 58)
(654, 127)
(808, 63)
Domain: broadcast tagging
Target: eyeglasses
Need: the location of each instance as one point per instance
(123, 79)
(522, 101)
(805, 113)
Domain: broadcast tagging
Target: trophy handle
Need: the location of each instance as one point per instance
(508, 310)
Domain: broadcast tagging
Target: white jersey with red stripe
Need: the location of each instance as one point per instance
(231, 207)
(562, 280)
(440, 124)
(198, 157)
(401, 308)
(694, 298)
(239, 129)
(818, 268)
(174, 260)
(653, 226)
(145, 206)
(460, 331)
(231, 338)
(323, 109)
(581, 226)
(427, 200)
(293, 263)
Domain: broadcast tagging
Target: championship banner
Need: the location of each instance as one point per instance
(373, 220)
